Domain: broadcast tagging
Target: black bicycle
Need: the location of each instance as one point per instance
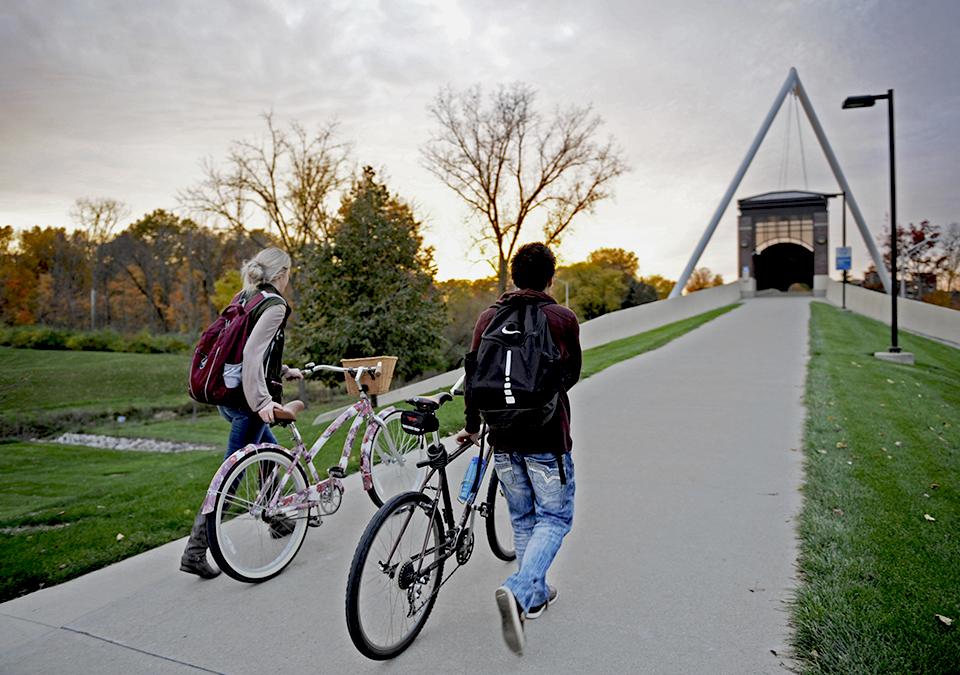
(397, 569)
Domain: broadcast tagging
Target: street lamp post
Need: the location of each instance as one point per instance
(868, 102)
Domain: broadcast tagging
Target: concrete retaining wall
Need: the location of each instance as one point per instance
(923, 318)
(603, 329)
(627, 322)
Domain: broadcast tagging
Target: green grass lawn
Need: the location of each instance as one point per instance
(41, 388)
(61, 508)
(880, 524)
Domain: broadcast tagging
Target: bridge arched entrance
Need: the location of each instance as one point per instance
(782, 240)
(781, 265)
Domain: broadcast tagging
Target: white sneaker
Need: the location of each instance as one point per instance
(552, 596)
(511, 617)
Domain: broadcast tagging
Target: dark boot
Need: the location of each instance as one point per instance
(194, 558)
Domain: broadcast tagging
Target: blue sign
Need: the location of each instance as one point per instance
(844, 258)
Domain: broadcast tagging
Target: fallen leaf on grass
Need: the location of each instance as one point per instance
(841, 445)
(822, 451)
(814, 653)
(63, 566)
(120, 536)
(926, 495)
(838, 512)
(945, 620)
(897, 443)
(934, 486)
(889, 381)
(930, 518)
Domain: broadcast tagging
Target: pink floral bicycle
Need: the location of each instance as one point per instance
(264, 497)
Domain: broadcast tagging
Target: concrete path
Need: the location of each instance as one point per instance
(680, 559)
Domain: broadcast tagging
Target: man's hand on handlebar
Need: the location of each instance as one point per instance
(463, 436)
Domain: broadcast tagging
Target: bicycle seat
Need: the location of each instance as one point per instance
(289, 412)
(429, 403)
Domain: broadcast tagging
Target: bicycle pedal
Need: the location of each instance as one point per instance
(314, 521)
(336, 472)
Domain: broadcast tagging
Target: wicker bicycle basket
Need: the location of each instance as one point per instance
(380, 385)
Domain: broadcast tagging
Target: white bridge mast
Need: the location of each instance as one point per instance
(793, 84)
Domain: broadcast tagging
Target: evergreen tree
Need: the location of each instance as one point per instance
(369, 291)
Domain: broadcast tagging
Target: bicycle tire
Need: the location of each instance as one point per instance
(366, 573)
(499, 535)
(393, 457)
(246, 546)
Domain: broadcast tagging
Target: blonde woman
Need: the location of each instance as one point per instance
(268, 272)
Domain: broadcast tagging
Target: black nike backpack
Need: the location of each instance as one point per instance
(514, 376)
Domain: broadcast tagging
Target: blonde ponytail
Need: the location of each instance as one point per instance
(264, 267)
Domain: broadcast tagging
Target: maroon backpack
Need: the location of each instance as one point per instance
(216, 369)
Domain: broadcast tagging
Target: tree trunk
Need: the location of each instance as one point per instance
(502, 275)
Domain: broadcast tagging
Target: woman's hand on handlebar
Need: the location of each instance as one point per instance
(463, 436)
(293, 374)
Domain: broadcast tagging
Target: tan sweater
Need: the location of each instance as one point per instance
(254, 379)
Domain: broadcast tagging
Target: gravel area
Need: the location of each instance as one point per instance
(133, 444)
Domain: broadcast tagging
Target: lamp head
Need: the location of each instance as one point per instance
(860, 101)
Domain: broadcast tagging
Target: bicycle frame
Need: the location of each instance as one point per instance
(358, 412)
(448, 547)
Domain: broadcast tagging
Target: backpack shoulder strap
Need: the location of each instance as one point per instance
(265, 301)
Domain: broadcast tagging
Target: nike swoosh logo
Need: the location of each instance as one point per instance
(509, 332)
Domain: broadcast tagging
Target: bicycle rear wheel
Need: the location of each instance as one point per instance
(388, 600)
(393, 459)
(498, 525)
(248, 543)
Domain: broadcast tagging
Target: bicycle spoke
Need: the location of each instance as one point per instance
(393, 459)
(394, 585)
(249, 541)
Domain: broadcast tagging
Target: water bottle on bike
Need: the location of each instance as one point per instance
(467, 486)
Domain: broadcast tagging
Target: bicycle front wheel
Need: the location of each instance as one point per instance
(395, 576)
(393, 459)
(248, 541)
(498, 524)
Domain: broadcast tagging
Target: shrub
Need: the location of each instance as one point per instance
(95, 341)
(104, 340)
(35, 337)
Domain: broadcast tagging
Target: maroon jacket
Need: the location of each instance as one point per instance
(555, 435)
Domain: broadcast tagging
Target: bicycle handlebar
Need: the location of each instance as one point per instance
(457, 388)
(356, 372)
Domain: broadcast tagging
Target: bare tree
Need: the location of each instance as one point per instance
(98, 216)
(508, 162)
(286, 178)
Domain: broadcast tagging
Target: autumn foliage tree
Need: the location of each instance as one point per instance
(702, 278)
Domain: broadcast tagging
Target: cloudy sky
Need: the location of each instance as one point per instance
(124, 99)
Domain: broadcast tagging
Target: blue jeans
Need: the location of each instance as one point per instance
(245, 427)
(541, 510)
